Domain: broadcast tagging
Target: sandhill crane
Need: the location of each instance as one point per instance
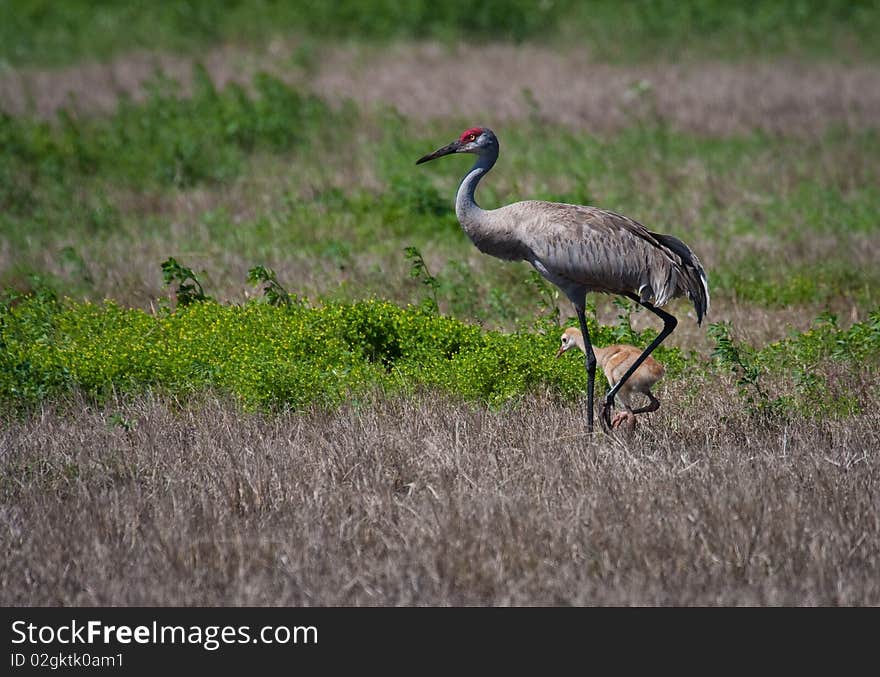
(580, 249)
(614, 361)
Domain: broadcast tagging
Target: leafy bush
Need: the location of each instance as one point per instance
(189, 289)
(297, 355)
(287, 355)
(273, 292)
(799, 358)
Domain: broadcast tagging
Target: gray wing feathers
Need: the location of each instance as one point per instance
(597, 250)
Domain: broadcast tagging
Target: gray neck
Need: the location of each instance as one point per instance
(466, 208)
(486, 229)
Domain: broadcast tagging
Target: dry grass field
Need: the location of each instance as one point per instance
(428, 501)
(768, 167)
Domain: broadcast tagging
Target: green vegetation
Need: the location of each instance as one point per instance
(170, 140)
(282, 352)
(290, 355)
(799, 357)
(39, 31)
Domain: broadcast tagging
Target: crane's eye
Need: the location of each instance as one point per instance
(472, 137)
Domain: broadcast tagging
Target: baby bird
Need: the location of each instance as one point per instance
(614, 361)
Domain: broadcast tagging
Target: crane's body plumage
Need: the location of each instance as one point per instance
(580, 249)
(584, 249)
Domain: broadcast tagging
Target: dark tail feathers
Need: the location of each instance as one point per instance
(696, 285)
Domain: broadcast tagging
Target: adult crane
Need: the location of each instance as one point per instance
(579, 249)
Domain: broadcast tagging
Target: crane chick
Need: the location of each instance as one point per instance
(614, 361)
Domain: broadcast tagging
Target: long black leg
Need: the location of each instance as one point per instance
(590, 363)
(669, 324)
(653, 406)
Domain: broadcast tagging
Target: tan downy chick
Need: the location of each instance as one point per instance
(614, 361)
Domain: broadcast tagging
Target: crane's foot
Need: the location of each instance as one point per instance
(624, 420)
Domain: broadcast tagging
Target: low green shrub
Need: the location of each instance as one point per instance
(800, 358)
(286, 355)
(292, 354)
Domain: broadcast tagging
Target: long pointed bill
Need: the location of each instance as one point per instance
(440, 152)
(560, 351)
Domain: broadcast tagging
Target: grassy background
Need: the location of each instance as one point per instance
(401, 433)
(44, 32)
(290, 182)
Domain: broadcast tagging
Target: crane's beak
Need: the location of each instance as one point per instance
(560, 351)
(440, 152)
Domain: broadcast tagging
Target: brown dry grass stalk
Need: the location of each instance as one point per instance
(425, 501)
(496, 83)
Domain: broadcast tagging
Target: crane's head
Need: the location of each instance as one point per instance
(477, 140)
(571, 338)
